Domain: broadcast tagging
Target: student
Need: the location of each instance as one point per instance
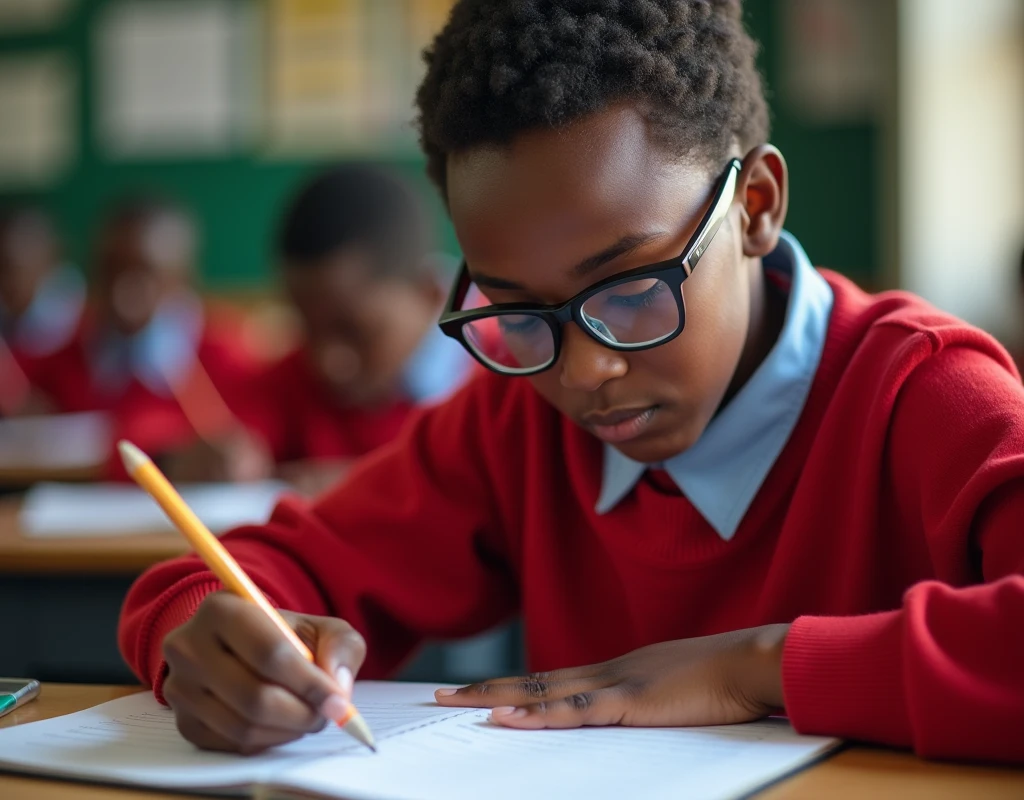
(728, 483)
(150, 342)
(353, 248)
(41, 299)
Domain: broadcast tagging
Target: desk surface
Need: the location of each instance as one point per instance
(94, 555)
(854, 773)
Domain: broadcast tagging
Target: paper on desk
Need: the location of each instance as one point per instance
(56, 442)
(67, 510)
(425, 752)
(134, 740)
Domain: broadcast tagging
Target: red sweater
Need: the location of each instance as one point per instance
(890, 532)
(155, 422)
(295, 413)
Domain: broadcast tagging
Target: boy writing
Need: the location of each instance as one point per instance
(715, 481)
(353, 249)
(149, 341)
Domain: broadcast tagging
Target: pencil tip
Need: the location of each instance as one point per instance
(361, 731)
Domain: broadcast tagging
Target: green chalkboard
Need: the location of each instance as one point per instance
(834, 182)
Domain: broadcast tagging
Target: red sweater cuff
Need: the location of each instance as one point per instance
(843, 676)
(177, 612)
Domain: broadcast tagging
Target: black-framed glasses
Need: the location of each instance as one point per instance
(635, 310)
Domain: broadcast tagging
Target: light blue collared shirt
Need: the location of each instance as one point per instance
(724, 469)
(436, 369)
(52, 317)
(160, 355)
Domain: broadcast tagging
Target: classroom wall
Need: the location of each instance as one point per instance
(962, 157)
(834, 161)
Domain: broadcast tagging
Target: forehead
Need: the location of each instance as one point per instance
(161, 242)
(560, 191)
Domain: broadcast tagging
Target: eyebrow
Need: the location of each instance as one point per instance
(627, 244)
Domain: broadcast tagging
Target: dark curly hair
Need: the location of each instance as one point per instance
(500, 67)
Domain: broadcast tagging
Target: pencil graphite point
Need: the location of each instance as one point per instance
(131, 456)
(358, 728)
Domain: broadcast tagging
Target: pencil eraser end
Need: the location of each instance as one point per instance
(131, 456)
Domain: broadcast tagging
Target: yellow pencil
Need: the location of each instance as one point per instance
(220, 562)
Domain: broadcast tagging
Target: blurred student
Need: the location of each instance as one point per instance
(41, 302)
(1018, 351)
(354, 254)
(149, 352)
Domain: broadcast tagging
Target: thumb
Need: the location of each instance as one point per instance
(339, 650)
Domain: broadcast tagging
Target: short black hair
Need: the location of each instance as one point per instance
(142, 206)
(501, 67)
(358, 206)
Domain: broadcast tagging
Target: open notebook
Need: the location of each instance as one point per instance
(425, 752)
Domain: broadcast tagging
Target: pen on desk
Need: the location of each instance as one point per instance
(220, 562)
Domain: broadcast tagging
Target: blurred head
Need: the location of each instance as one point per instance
(353, 246)
(29, 252)
(577, 139)
(144, 255)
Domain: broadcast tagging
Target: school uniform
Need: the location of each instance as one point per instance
(866, 484)
(131, 377)
(49, 323)
(299, 417)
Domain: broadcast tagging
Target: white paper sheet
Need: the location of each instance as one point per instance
(134, 740)
(68, 510)
(425, 752)
(56, 442)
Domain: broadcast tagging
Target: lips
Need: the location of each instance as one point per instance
(619, 425)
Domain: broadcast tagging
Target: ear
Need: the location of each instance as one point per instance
(763, 189)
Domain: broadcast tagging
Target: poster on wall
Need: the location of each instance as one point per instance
(29, 16)
(341, 75)
(173, 77)
(37, 125)
(833, 59)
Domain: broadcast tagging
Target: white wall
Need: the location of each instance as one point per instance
(961, 156)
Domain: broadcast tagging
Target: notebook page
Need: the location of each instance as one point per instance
(134, 740)
(465, 757)
(68, 510)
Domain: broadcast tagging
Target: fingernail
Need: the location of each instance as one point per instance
(345, 680)
(334, 707)
(508, 712)
(445, 692)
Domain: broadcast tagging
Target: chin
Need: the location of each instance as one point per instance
(657, 447)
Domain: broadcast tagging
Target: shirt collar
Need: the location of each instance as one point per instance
(436, 368)
(723, 471)
(52, 317)
(160, 355)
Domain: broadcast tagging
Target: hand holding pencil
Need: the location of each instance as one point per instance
(240, 678)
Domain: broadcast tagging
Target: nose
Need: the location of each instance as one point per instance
(585, 364)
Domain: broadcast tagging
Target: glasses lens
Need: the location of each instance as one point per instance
(511, 343)
(637, 312)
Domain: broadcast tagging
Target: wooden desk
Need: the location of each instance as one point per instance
(86, 556)
(857, 772)
(60, 596)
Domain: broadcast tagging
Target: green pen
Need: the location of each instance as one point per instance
(16, 692)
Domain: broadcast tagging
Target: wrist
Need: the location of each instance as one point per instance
(766, 647)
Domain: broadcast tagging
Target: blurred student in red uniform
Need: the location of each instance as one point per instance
(355, 257)
(41, 301)
(149, 351)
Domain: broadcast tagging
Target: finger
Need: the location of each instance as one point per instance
(338, 647)
(260, 646)
(568, 674)
(208, 723)
(521, 691)
(601, 707)
(255, 700)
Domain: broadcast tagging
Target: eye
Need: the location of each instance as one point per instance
(644, 299)
(518, 324)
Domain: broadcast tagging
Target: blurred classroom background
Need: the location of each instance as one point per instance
(902, 122)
